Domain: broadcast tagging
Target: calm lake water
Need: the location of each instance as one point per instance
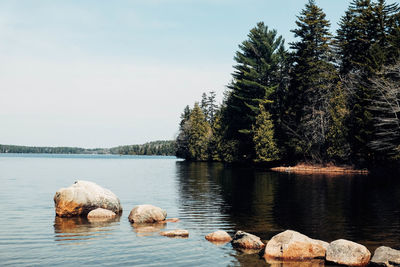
(206, 197)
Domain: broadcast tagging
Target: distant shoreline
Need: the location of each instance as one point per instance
(154, 148)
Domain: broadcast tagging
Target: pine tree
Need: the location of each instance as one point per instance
(256, 77)
(263, 136)
(313, 73)
(199, 134)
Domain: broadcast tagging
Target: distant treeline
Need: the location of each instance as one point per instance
(328, 98)
(165, 148)
(162, 148)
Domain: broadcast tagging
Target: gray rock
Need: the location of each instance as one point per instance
(386, 256)
(82, 197)
(247, 241)
(293, 246)
(347, 253)
(147, 214)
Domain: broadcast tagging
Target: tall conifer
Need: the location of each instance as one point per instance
(256, 77)
(312, 76)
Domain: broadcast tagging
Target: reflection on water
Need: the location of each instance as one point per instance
(310, 263)
(76, 230)
(365, 209)
(147, 229)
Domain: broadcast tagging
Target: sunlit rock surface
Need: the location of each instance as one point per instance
(386, 256)
(219, 237)
(294, 246)
(147, 214)
(347, 253)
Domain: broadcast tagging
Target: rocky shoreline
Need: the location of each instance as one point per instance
(87, 199)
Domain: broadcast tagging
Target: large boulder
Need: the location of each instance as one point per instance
(386, 256)
(293, 246)
(147, 214)
(247, 241)
(219, 236)
(82, 197)
(346, 252)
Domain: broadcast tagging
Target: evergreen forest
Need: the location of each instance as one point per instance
(324, 98)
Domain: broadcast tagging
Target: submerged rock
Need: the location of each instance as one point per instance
(247, 241)
(347, 253)
(147, 214)
(293, 246)
(219, 236)
(172, 220)
(82, 197)
(100, 213)
(386, 256)
(175, 233)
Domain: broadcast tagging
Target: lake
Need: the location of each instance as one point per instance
(205, 197)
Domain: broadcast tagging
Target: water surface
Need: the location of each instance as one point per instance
(205, 196)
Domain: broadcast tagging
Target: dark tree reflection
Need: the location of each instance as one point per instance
(364, 209)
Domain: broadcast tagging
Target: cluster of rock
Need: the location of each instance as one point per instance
(82, 197)
(89, 199)
(291, 246)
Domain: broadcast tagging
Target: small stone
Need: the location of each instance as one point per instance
(247, 241)
(219, 236)
(147, 214)
(101, 213)
(347, 253)
(175, 233)
(386, 256)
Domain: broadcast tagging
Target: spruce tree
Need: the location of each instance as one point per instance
(264, 140)
(312, 76)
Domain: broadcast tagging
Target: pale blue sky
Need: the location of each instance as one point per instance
(107, 73)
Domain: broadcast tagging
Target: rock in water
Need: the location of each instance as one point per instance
(219, 236)
(347, 253)
(82, 197)
(386, 256)
(293, 246)
(247, 241)
(175, 233)
(100, 213)
(147, 214)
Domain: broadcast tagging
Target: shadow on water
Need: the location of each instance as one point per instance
(77, 230)
(364, 209)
